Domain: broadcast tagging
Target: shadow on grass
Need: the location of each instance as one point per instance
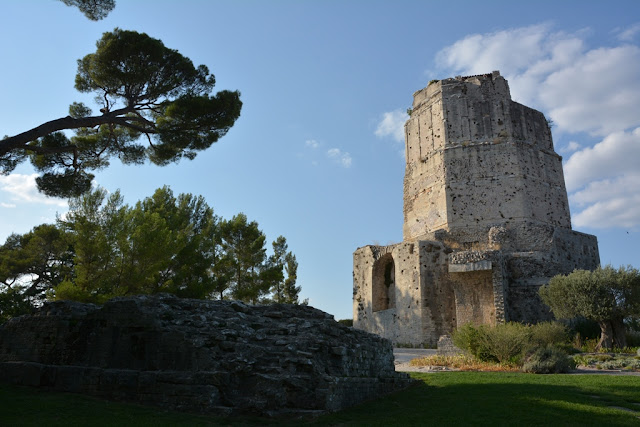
(454, 398)
(502, 399)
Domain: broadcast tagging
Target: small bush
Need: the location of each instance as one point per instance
(548, 360)
(502, 343)
(463, 362)
(633, 338)
(507, 342)
(589, 345)
(588, 329)
(624, 363)
(346, 322)
(602, 357)
(549, 333)
(470, 339)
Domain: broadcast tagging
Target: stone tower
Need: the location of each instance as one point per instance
(486, 218)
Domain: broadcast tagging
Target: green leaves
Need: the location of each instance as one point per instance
(104, 248)
(192, 123)
(140, 70)
(95, 10)
(597, 295)
(146, 92)
(31, 265)
(606, 295)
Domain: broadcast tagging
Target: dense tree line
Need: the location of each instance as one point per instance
(104, 248)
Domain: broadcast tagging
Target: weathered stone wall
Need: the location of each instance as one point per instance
(486, 207)
(206, 356)
(477, 158)
(394, 321)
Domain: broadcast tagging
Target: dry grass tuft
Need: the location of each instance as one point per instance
(464, 363)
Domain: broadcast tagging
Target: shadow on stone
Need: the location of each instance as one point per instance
(221, 357)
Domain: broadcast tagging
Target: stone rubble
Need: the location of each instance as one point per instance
(204, 356)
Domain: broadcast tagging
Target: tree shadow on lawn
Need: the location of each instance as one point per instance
(471, 398)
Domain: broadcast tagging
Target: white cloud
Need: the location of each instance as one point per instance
(571, 147)
(614, 156)
(582, 89)
(312, 143)
(341, 157)
(392, 124)
(609, 202)
(593, 90)
(509, 51)
(629, 33)
(8, 205)
(597, 93)
(22, 188)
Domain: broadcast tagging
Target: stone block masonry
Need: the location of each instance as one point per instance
(216, 357)
(486, 218)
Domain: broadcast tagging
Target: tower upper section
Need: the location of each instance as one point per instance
(476, 159)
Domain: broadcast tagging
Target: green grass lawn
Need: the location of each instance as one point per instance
(442, 399)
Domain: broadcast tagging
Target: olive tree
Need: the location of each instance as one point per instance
(605, 295)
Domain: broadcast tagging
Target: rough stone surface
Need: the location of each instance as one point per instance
(486, 219)
(446, 347)
(205, 356)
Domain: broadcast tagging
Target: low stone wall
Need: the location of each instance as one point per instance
(204, 356)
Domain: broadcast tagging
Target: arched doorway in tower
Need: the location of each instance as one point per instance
(384, 283)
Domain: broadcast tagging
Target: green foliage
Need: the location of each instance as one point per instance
(548, 360)
(104, 248)
(95, 10)
(162, 244)
(545, 334)
(14, 303)
(284, 290)
(471, 339)
(502, 343)
(346, 322)
(508, 342)
(633, 338)
(605, 295)
(585, 327)
(30, 265)
(608, 361)
(145, 91)
(244, 244)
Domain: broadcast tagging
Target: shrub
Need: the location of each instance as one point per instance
(589, 345)
(586, 327)
(346, 322)
(501, 343)
(633, 338)
(507, 342)
(548, 360)
(470, 339)
(549, 333)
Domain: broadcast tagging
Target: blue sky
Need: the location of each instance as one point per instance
(317, 154)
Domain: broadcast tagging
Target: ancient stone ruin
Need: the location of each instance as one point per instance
(486, 219)
(205, 356)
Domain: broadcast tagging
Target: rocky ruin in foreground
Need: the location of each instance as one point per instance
(220, 357)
